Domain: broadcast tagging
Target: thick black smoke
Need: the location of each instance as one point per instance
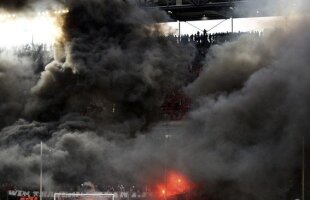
(28, 5)
(252, 113)
(106, 83)
(14, 4)
(242, 139)
(228, 66)
(16, 80)
(115, 59)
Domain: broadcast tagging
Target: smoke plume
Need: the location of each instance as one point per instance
(228, 66)
(114, 58)
(273, 8)
(28, 5)
(105, 85)
(16, 78)
(242, 138)
(251, 116)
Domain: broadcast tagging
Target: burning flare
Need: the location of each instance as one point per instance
(175, 184)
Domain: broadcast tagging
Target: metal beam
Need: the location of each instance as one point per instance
(201, 9)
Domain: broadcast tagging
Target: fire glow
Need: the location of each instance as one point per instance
(18, 31)
(175, 184)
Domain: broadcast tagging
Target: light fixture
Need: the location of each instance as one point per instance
(204, 17)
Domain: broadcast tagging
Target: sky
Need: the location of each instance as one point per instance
(240, 24)
(22, 30)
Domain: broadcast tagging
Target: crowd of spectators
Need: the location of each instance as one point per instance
(176, 104)
(28, 48)
(33, 194)
(83, 188)
(8, 186)
(205, 40)
(121, 192)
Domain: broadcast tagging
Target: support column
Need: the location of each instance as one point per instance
(232, 24)
(303, 170)
(41, 172)
(179, 31)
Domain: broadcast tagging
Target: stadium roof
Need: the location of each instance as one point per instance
(186, 10)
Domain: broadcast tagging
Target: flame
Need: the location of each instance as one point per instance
(42, 28)
(175, 184)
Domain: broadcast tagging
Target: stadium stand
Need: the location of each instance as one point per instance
(176, 103)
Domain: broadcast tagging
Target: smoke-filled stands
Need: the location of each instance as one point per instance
(176, 103)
